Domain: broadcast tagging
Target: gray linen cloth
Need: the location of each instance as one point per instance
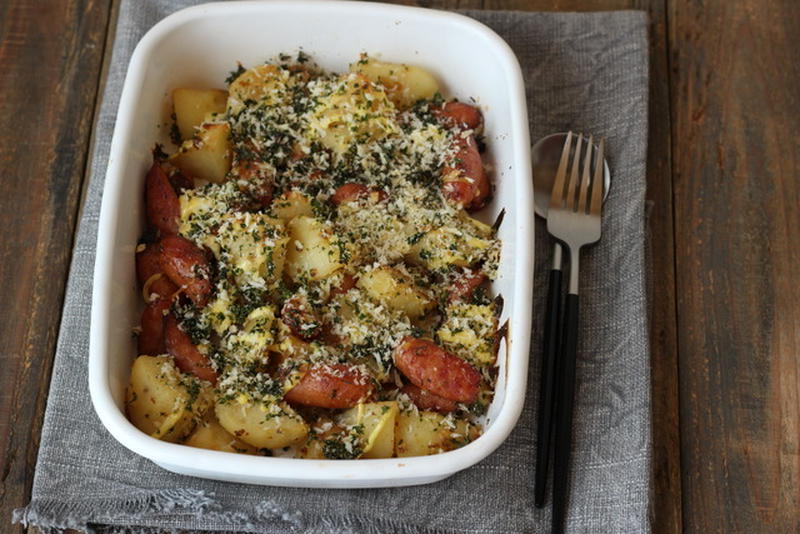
(586, 72)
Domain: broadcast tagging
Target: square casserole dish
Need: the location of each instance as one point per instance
(198, 47)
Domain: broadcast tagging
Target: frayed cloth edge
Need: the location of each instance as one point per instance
(94, 515)
(55, 516)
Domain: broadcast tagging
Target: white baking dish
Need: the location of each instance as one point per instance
(198, 47)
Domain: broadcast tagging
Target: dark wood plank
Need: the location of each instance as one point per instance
(736, 158)
(50, 54)
(666, 506)
(570, 5)
(440, 4)
(666, 497)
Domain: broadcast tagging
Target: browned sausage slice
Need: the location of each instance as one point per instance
(186, 265)
(429, 366)
(335, 386)
(181, 182)
(161, 202)
(460, 114)
(465, 285)
(256, 182)
(148, 265)
(425, 400)
(301, 318)
(465, 181)
(187, 357)
(353, 191)
(151, 338)
(348, 282)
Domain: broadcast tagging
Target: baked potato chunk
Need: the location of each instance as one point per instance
(396, 290)
(469, 331)
(290, 205)
(378, 421)
(193, 107)
(264, 426)
(255, 245)
(313, 251)
(448, 246)
(314, 446)
(207, 155)
(163, 402)
(404, 84)
(353, 110)
(265, 84)
(251, 342)
(210, 435)
(420, 433)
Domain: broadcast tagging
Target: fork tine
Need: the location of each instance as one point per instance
(557, 196)
(598, 184)
(587, 173)
(573, 177)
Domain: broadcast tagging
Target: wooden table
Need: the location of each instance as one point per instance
(723, 178)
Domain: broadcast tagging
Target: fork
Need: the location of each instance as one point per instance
(573, 217)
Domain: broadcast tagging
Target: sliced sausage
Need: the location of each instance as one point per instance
(425, 400)
(181, 182)
(148, 269)
(151, 338)
(429, 366)
(256, 182)
(187, 266)
(348, 282)
(161, 202)
(465, 181)
(299, 315)
(460, 115)
(187, 357)
(353, 191)
(334, 386)
(465, 285)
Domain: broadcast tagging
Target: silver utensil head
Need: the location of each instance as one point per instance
(545, 156)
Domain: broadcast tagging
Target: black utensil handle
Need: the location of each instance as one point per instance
(544, 423)
(564, 405)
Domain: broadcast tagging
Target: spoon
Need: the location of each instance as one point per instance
(546, 155)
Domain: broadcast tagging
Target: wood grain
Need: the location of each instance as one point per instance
(666, 496)
(50, 56)
(736, 157)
